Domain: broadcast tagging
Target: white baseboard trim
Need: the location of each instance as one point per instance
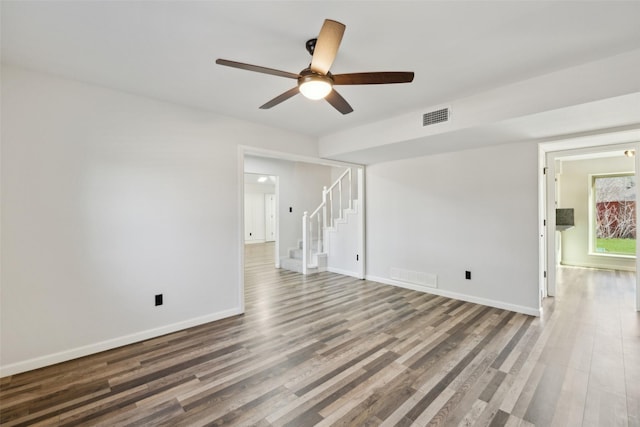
(462, 297)
(74, 353)
(344, 272)
(596, 265)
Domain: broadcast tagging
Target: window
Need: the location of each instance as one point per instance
(614, 210)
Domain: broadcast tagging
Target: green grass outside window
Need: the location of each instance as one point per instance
(616, 246)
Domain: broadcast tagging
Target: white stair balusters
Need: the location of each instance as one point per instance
(323, 217)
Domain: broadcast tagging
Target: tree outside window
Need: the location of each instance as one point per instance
(615, 214)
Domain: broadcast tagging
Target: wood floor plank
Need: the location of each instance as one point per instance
(571, 401)
(332, 350)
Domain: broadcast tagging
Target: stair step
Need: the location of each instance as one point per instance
(295, 253)
(293, 264)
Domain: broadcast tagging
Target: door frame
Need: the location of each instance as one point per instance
(550, 151)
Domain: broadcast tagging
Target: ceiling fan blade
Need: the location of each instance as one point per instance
(382, 77)
(256, 68)
(280, 98)
(327, 46)
(338, 102)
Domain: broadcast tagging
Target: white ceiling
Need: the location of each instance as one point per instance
(267, 181)
(166, 49)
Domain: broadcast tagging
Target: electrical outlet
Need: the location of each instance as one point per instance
(467, 275)
(159, 299)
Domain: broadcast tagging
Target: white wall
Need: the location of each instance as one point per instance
(574, 188)
(108, 199)
(472, 210)
(342, 244)
(260, 188)
(300, 187)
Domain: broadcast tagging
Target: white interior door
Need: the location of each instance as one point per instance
(270, 217)
(254, 219)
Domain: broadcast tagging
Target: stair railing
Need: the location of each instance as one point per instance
(309, 247)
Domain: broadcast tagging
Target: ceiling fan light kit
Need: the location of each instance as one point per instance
(316, 82)
(315, 86)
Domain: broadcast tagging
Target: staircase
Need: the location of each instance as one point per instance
(311, 254)
(294, 261)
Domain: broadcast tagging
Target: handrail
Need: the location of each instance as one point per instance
(348, 171)
(314, 213)
(307, 220)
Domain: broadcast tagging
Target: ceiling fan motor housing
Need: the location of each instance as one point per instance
(311, 46)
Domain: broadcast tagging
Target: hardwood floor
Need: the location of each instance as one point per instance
(333, 350)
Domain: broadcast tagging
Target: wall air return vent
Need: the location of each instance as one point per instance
(434, 117)
(414, 277)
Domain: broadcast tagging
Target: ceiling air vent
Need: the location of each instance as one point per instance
(434, 117)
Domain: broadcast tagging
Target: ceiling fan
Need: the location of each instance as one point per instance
(316, 81)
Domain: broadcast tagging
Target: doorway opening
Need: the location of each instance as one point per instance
(260, 203)
(301, 183)
(567, 184)
(260, 217)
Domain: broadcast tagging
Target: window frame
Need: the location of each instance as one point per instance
(592, 215)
